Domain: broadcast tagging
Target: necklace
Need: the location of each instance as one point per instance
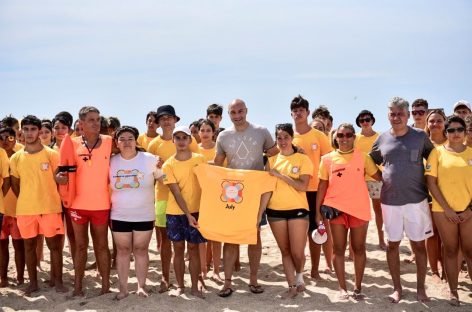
(88, 158)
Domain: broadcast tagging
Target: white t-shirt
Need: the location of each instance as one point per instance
(132, 184)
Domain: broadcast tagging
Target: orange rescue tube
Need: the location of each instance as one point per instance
(67, 164)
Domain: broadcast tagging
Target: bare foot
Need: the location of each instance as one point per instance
(201, 283)
(395, 297)
(75, 294)
(343, 295)
(454, 298)
(301, 287)
(290, 293)
(315, 275)
(436, 278)
(163, 287)
(177, 292)
(410, 259)
(197, 293)
(121, 295)
(217, 278)
(421, 295)
(329, 270)
(357, 295)
(31, 289)
(142, 293)
(60, 288)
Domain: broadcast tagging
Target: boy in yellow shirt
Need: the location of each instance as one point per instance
(38, 207)
(182, 208)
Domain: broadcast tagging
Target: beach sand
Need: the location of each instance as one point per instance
(321, 295)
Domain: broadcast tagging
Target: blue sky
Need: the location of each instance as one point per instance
(127, 57)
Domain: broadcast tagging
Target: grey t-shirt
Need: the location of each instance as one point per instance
(402, 158)
(244, 149)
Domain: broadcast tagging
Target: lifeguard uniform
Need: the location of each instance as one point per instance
(92, 199)
(347, 190)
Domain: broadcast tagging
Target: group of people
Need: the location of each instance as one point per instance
(416, 179)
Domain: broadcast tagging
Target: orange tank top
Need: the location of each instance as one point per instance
(92, 192)
(347, 190)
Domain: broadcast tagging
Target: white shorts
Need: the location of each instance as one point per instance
(374, 188)
(414, 219)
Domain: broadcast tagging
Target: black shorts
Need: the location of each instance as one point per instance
(1, 221)
(311, 198)
(125, 226)
(279, 215)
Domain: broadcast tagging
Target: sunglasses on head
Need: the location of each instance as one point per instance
(342, 135)
(453, 130)
(367, 119)
(418, 112)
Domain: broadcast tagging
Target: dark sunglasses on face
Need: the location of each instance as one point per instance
(418, 112)
(342, 135)
(452, 130)
(367, 119)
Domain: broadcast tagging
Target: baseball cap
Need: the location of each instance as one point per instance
(462, 103)
(183, 129)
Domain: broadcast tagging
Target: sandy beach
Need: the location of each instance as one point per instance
(319, 296)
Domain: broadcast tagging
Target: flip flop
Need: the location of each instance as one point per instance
(226, 292)
(256, 289)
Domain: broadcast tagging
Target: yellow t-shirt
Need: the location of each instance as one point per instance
(181, 172)
(38, 190)
(208, 153)
(230, 202)
(365, 144)
(4, 173)
(315, 144)
(338, 158)
(17, 147)
(143, 140)
(165, 149)
(454, 174)
(285, 197)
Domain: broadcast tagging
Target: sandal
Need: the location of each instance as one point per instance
(225, 292)
(256, 289)
(357, 295)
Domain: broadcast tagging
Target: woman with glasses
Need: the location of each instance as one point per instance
(132, 177)
(287, 210)
(364, 141)
(342, 187)
(448, 173)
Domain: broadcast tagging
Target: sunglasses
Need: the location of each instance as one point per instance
(10, 138)
(453, 130)
(342, 135)
(367, 119)
(418, 112)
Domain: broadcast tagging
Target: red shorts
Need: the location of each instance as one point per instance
(10, 228)
(348, 221)
(48, 225)
(95, 217)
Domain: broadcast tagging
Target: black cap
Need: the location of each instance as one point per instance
(362, 113)
(166, 110)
